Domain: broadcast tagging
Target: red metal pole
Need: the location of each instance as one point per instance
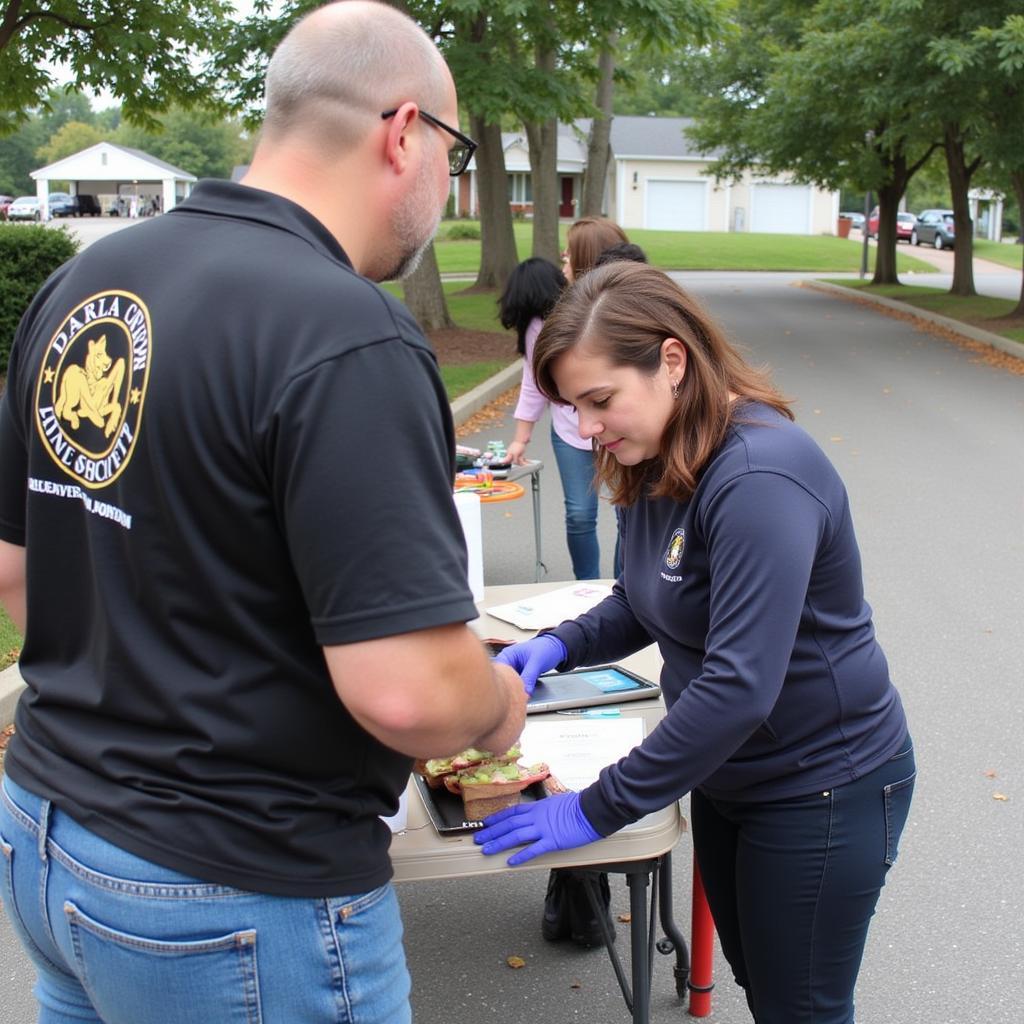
(702, 943)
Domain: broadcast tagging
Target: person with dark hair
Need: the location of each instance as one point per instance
(622, 251)
(530, 294)
(741, 564)
(532, 290)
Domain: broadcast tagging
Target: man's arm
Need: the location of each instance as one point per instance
(12, 582)
(429, 693)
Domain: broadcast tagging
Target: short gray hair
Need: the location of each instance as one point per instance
(344, 64)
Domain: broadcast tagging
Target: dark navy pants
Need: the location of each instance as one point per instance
(792, 886)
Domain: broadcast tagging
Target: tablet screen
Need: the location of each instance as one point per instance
(590, 686)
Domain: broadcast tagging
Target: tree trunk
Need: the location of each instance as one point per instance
(498, 256)
(1017, 179)
(885, 251)
(542, 137)
(960, 173)
(424, 294)
(599, 147)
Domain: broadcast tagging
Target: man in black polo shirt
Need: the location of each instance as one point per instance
(237, 635)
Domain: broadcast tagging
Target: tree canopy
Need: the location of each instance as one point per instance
(149, 54)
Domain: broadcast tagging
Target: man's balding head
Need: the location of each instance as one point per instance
(342, 65)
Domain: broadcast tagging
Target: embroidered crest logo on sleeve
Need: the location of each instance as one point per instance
(92, 387)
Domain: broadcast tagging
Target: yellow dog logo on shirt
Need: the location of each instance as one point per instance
(92, 387)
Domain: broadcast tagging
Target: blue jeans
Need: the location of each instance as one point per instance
(117, 939)
(792, 886)
(576, 468)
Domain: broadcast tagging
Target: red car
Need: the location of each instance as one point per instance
(904, 225)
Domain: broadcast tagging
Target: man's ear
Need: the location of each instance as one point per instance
(396, 144)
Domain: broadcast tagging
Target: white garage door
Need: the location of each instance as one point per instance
(782, 209)
(676, 205)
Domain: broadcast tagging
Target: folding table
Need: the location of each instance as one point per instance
(641, 852)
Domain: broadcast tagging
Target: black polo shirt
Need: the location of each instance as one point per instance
(222, 448)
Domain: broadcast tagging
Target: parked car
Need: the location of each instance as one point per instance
(857, 218)
(62, 204)
(904, 225)
(936, 227)
(87, 206)
(24, 208)
(5, 202)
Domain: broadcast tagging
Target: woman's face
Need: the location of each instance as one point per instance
(567, 265)
(626, 411)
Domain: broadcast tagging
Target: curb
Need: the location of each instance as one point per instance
(11, 683)
(1011, 348)
(473, 401)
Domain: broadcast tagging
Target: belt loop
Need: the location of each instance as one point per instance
(44, 827)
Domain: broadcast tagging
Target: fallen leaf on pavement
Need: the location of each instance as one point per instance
(625, 918)
(989, 773)
(576, 984)
(1000, 796)
(515, 962)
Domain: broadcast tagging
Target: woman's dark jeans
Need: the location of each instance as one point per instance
(793, 884)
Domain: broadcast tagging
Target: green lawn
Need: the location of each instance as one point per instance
(973, 309)
(476, 312)
(698, 250)
(10, 640)
(1011, 256)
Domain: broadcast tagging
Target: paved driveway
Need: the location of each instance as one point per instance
(929, 443)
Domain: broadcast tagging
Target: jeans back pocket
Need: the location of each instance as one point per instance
(897, 796)
(137, 978)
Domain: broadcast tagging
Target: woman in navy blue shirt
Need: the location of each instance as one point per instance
(740, 562)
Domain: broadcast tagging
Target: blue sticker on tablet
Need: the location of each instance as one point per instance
(609, 682)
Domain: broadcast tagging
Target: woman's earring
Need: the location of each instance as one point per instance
(675, 389)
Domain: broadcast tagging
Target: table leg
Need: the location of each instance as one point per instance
(638, 943)
(539, 568)
(702, 935)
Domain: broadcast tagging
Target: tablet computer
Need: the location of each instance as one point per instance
(587, 687)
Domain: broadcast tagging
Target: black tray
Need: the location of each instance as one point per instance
(446, 811)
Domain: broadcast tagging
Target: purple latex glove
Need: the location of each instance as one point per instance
(555, 823)
(534, 657)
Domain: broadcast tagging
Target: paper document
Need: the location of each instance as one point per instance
(553, 607)
(576, 749)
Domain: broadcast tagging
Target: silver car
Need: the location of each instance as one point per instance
(24, 208)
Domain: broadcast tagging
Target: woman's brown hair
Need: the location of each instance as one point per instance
(625, 311)
(588, 238)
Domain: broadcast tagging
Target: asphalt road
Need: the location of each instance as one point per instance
(928, 441)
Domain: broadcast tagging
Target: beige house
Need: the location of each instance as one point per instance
(657, 180)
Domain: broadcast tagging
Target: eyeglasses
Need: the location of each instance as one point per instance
(460, 154)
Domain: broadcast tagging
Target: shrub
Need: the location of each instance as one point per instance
(28, 256)
(464, 230)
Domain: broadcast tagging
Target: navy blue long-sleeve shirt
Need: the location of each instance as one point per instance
(774, 682)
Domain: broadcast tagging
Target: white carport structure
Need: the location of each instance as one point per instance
(109, 169)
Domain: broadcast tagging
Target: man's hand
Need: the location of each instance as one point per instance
(534, 657)
(510, 729)
(554, 823)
